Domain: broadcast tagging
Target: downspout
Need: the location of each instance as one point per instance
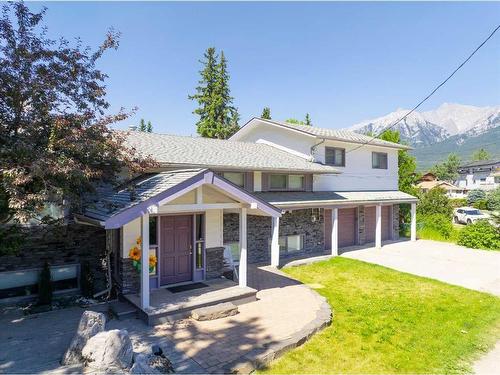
(313, 148)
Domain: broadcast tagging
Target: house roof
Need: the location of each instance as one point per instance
(332, 134)
(115, 208)
(185, 152)
(313, 199)
(432, 184)
(480, 163)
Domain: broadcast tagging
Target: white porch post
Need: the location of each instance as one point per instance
(335, 231)
(243, 248)
(275, 246)
(413, 222)
(378, 226)
(145, 261)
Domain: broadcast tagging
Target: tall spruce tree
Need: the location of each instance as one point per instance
(142, 125)
(308, 120)
(218, 117)
(266, 113)
(149, 127)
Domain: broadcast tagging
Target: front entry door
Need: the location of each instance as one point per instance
(176, 249)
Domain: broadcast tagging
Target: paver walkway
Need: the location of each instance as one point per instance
(285, 309)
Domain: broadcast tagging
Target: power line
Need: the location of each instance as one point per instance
(432, 92)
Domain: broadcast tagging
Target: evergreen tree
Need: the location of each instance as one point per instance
(218, 117)
(266, 113)
(149, 127)
(142, 125)
(448, 169)
(480, 154)
(308, 120)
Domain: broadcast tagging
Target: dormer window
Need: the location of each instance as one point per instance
(283, 182)
(379, 160)
(335, 156)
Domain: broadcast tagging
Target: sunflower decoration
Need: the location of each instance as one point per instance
(135, 253)
(138, 241)
(152, 263)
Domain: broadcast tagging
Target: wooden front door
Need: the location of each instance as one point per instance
(176, 249)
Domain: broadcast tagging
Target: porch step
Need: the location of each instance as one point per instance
(123, 309)
(218, 311)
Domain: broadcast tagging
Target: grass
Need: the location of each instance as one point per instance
(387, 321)
(431, 234)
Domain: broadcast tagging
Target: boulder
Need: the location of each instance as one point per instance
(220, 310)
(91, 323)
(109, 350)
(151, 364)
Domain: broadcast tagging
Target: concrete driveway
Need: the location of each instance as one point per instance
(458, 265)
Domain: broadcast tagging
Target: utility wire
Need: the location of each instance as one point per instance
(432, 92)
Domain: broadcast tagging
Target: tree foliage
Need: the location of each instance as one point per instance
(407, 164)
(266, 113)
(435, 201)
(448, 169)
(143, 127)
(480, 154)
(475, 195)
(294, 121)
(218, 117)
(307, 120)
(55, 139)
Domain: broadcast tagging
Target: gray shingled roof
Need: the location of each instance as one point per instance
(315, 198)
(480, 163)
(148, 186)
(338, 134)
(179, 151)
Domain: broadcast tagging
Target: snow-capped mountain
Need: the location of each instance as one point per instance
(427, 128)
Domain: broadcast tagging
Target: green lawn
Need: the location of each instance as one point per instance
(391, 322)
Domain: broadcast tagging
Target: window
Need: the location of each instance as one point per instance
(290, 244)
(379, 160)
(237, 178)
(286, 182)
(335, 156)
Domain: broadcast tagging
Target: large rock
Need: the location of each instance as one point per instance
(220, 310)
(108, 351)
(151, 364)
(91, 323)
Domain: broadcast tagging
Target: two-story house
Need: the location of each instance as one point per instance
(483, 175)
(271, 192)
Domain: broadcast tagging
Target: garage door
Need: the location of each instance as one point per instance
(370, 223)
(347, 227)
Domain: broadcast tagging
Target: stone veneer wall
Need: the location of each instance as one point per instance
(214, 262)
(259, 232)
(395, 222)
(60, 245)
(129, 280)
(361, 225)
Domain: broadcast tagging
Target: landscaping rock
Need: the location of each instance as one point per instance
(151, 364)
(215, 312)
(91, 323)
(109, 350)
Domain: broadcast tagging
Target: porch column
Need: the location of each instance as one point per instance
(275, 246)
(378, 226)
(413, 227)
(243, 248)
(335, 232)
(145, 261)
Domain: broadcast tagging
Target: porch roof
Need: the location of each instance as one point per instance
(116, 208)
(334, 198)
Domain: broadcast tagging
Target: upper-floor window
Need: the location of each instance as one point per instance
(379, 160)
(335, 156)
(286, 182)
(237, 178)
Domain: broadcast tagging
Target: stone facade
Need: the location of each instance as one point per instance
(259, 232)
(61, 245)
(361, 225)
(395, 222)
(214, 262)
(129, 280)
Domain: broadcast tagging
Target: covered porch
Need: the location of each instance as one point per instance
(167, 232)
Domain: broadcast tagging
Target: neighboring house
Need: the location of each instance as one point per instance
(272, 192)
(429, 181)
(484, 175)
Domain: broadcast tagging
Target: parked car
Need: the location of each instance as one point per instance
(468, 215)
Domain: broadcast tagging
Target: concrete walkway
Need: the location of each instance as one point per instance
(285, 314)
(453, 264)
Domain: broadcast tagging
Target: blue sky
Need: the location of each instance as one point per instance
(341, 62)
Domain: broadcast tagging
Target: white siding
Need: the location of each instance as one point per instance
(257, 181)
(130, 232)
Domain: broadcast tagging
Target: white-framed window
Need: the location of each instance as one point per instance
(290, 244)
(282, 182)
(237, 178)
(335, 156)
(379, 160)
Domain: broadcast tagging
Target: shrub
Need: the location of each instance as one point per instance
(435, 201)
(45, 286)
(480, 235)
(458, 202)
(481, 204)
(475, 195)
(437, 223)
(493, 200)
(86, 280)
